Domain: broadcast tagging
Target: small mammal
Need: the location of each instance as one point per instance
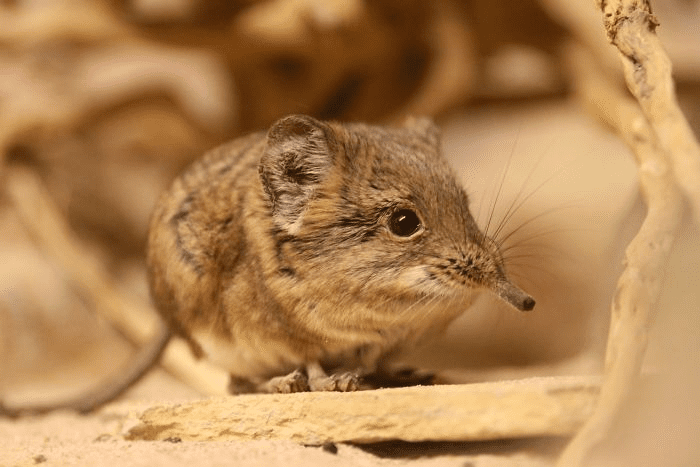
(315, 247)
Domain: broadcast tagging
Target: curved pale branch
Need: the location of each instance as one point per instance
(668, 158)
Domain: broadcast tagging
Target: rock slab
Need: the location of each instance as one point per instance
(550, 406)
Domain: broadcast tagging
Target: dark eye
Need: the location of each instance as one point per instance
(404, 223)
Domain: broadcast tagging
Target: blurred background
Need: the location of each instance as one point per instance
(104, 102)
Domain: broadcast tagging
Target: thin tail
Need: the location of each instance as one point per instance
(108, 390)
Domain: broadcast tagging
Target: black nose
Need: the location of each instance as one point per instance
(528, 304)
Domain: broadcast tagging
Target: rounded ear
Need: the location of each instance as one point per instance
(424, 128)
(296, 159)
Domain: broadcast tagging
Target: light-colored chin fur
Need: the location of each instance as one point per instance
(417, 278)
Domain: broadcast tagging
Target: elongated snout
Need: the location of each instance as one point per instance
(514, 296)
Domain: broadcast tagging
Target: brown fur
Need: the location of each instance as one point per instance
(280, 243)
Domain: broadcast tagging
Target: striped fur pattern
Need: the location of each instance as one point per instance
(278, 249)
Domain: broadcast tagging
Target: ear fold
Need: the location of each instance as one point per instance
(295, 161)
(424, 128)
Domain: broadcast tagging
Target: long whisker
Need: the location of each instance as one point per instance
(512, 209)
(532, 237)
(502, 181)
(517, 205)
(501, 241)
(401, 316)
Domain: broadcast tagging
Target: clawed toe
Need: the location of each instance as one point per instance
(312, 378)
(295, 381)
(346, 382)
(320, 381)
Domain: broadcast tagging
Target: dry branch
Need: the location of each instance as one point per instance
(638, 287)
(630, 26)
(485, 411)
(33, 23)
(667, 156)
(136, 320)
(451, 76)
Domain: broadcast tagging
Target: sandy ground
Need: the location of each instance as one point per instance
(69, 439)
(578, 184)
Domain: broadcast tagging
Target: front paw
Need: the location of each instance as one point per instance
(346, 382)
(320, 381)
(296, 381)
